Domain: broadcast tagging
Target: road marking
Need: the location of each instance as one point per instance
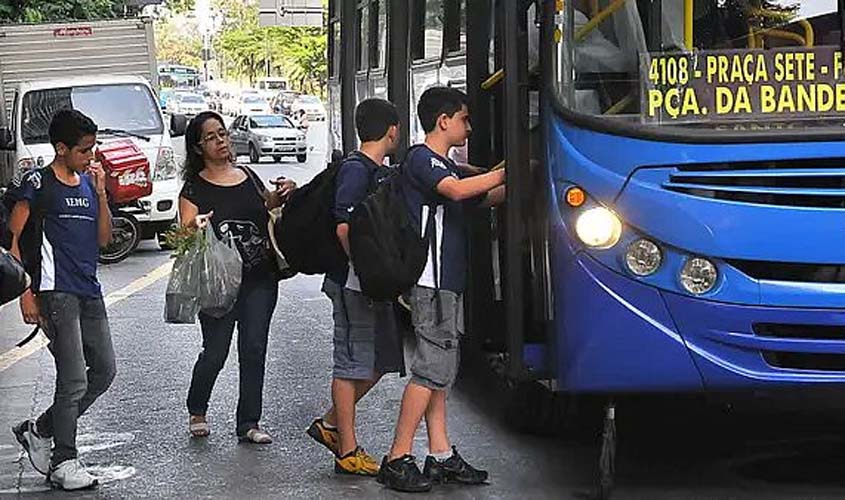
(139, 284)
(12, 356)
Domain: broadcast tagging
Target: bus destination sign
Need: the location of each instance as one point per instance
(731, 85)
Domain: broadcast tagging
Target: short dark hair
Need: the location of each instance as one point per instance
(373, 117)
(438, 101)
(69, 126)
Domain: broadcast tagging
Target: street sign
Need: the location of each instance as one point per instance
(291, 13)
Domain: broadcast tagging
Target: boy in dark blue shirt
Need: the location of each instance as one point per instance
(69, 206)
(433, 184)
(366, 339)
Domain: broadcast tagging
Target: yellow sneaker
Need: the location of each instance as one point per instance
(325, 436)
(358, 463)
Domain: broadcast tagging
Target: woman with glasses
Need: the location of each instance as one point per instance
(235, 202)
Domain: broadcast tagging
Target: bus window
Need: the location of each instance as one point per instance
(334, 48)
(378, 49)
(363, 37)
(427, 29)
(456, 25)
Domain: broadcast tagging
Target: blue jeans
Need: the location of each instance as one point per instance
(252, 314)
(81, 345)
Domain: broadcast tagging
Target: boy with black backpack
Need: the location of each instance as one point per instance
(366, 340)
(436, 192)
(60, 220)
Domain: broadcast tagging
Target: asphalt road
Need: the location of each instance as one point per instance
(135, 437)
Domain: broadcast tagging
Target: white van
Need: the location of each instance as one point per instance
(123, 107)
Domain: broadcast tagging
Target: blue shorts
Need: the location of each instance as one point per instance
(367, 341)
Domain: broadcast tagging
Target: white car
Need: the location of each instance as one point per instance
(189, 105)
(253, 104)
(312, 105)
(267, 135)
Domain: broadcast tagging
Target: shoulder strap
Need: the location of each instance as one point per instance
(435, 265)
(44, 195)
(261, 188)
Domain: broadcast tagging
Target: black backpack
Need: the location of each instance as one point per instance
(307, 230)
(33, 233)
(388, 253)
(5, 213)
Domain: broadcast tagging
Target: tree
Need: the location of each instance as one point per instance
(180, 6)
(39, 11)
(178, 45)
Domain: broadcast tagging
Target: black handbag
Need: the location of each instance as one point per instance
(13, 279)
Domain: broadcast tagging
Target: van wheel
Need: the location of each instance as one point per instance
(254, 157)
(301, 158)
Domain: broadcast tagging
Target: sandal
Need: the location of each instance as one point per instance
(198, 426)
(256, 436)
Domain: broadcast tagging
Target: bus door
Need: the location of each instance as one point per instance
(335, 77)
(510, 282)
(359, 52)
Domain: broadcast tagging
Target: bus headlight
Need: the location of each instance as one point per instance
(643, 258)
(699, 275)
(598, 228)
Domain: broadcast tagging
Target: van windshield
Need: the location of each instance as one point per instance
(138, 111)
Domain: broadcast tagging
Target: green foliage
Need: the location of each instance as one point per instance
(39, 11)
(180, 6)
(299, 53)
(177, 45)
(182, 239)
(245, 50)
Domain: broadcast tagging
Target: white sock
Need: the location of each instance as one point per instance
(441, 457)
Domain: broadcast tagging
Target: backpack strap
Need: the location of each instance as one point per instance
(431, 228)
(431, 234)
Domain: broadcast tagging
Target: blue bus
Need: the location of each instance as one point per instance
(178, 75)
(675, 216)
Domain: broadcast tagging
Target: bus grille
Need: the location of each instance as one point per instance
(783, 271)
(805, 361)
(810, 332)
(801, 183)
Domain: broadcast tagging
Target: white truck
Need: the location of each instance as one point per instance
(105, 69)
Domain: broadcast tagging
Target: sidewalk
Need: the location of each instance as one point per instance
(19, 393)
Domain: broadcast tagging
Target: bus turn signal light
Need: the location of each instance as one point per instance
(575, 197)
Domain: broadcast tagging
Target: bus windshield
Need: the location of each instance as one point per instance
(727, 64)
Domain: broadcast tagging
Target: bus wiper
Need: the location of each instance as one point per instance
(124, 133)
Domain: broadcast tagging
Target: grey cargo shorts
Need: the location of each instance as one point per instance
(437, 353)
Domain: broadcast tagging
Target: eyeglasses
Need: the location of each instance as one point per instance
(222, 135)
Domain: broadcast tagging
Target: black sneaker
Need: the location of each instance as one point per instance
(403, 474)
(454, 469)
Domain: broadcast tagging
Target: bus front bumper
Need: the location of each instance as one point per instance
(616, 334)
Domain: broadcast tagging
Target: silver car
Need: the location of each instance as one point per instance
(267, 135)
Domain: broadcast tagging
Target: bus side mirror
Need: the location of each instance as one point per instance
(7, 141)
(178, 125)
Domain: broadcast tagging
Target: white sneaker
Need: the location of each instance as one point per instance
(71, 475)
(37, 447)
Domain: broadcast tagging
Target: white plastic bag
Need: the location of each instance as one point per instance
(220, 276)
(183, 289)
